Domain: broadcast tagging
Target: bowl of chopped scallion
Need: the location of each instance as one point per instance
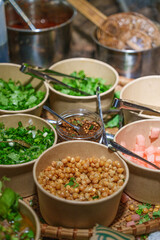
(16, 160)
(91, 73)
(20, 93)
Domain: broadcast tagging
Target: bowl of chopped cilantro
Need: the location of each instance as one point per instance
(17, 220)
(16, 160)
(95, 72)
(20, 93)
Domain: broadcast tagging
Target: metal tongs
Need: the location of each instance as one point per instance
(111, 144)
(128, 105)
(41, 74)
(104, 137)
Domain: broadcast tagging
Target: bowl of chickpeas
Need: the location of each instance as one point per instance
(79, 184)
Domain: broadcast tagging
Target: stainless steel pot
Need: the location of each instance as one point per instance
(129, 63)
(46, 45)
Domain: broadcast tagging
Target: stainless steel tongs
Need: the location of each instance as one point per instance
(114, 146)
(35, 72)
(134, 106)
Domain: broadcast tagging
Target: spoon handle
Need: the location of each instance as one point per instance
(122, 149)
(57, 115)
(89, 11)
(22, 14)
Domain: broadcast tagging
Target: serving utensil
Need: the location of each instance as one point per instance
(43, 76)
(78, 129)
(90, 12)
(104, 138)
(112, 144)
(134, 106)
(53, 72)
(23, 15)
(20, 142)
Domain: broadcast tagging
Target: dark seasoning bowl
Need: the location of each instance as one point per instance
(50, 42)
(90, 122)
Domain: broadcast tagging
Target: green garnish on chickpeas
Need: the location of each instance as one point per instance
(89, 179)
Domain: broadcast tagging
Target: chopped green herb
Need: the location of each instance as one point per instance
(156, 214)
(72, 182)
(144, 218)
(94, 197)
(77, 185)
(91, 127)
(14, 96)
(141, 207)
(113, 122)
(39, 140)
(117, 94)
(89, 86)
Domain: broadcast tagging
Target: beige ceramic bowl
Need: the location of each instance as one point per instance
(10, 70)
(93, 68)
(144, 183)
(31, 215)
(21, 179)
(69, 213)
(144, 90)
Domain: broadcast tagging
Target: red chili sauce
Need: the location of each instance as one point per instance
(42, 16)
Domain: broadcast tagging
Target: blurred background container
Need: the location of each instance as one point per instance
(3, 35)
(50, 42)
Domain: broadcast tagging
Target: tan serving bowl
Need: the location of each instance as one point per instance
(31, 215)
(21, 178)
(12, 71)
(73, 213)
(144, 183)
(92, 68)
(143, 90)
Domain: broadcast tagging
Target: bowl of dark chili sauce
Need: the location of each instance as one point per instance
(89, 123)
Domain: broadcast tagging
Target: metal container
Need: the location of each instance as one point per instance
(50, 42)
(129, 63)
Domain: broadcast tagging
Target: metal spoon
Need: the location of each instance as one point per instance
(20, 142)
(23, 15)
(77, 128)
(112, 144)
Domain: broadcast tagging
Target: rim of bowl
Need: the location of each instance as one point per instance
(28, 109)
(128, 161)
(34, 160)
(86, 60)
(34, 215)
(41, 30)
(75, 202)
(144, 78)
(118, 50)
(77, 112)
